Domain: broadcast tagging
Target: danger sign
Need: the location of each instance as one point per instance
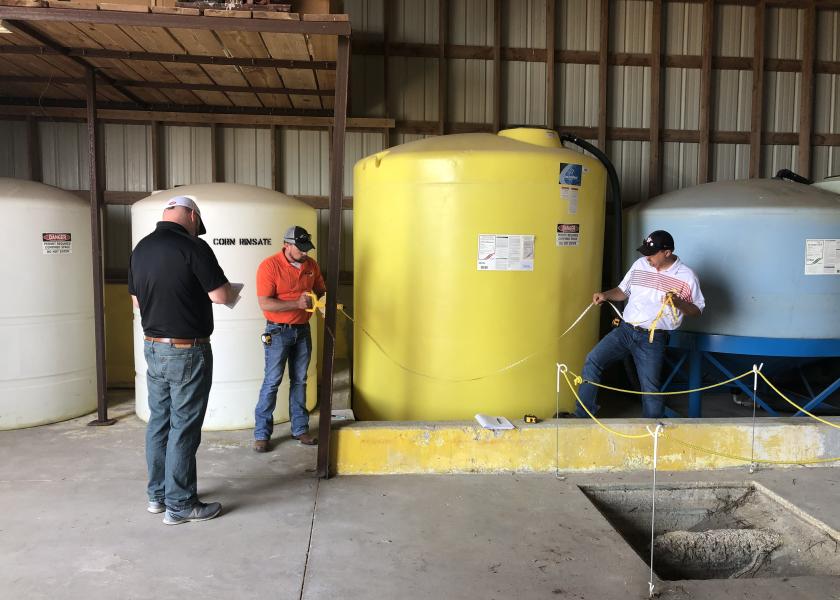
(57, 243)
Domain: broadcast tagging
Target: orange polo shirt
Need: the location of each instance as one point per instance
(276, 278)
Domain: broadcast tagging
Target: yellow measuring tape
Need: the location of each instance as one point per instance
(578, 380)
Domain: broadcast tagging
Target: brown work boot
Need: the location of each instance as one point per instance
(260, 445)
(306, 439)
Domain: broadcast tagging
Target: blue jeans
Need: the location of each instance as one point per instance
(293, 344)
(179, 381)
(614, 347)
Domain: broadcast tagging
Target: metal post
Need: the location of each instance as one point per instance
(695, 399)
(96, 243)
(334, 253)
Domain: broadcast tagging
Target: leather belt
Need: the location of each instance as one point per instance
(644, 330)
(178, 341)
(287, 324)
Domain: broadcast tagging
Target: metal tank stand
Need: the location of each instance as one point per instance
(699, 346)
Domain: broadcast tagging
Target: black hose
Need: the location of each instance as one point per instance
(614, 195)
(791, 176)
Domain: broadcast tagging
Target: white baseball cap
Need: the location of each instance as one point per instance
(187, 202)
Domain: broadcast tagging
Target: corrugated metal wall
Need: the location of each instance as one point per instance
(470, 81)
(732, 105)
(630, 31)
(523, 83)
(681, 100)
(577, 27)
(827, 102)
(14, 147)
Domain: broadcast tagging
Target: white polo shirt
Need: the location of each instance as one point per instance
(645, 287)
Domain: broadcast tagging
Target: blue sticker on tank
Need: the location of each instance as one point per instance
(570, 174)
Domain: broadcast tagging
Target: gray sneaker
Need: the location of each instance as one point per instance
(198, 512)
(156, 507)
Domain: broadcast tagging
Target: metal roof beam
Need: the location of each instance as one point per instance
(165, 85)
(111, 17)
(322, 65)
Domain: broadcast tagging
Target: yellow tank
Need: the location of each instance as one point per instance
(445, 325)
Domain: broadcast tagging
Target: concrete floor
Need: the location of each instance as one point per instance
(74, 525)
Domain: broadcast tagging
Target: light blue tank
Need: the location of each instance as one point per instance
(746, 240)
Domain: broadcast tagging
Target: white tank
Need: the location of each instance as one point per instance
(48, 356)
(245, 225)
(831, 184)
(766, 251)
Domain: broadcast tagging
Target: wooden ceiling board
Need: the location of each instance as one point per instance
(244, 99)
(326, 80)
(154, 39)
(290, 46)
(119, 70)
(12, 68)
(275, 100)
(323, 47)
(43, 67)
(213, 98)
(243, 44)
(155, 71)
(225, 74)
(200, 42)
(109, 36)
(265, 77)
(64, 34)
(189, 73)
(302, 79)
(35, 91)
(17, 39)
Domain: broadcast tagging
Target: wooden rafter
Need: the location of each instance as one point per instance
(756, 124)
(806, 111)
(706, 95)
(550, 45)
(655, 168)
(603, 74)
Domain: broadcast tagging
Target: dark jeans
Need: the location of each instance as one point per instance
(179, 381)
(614, 347)
(292, 344)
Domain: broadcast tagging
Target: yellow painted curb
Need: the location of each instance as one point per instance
(364, 448)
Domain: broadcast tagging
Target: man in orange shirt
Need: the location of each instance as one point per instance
(284, 281)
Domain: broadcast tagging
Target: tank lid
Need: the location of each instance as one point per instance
(537, 136)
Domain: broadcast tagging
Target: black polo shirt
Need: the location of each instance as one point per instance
(170, 272)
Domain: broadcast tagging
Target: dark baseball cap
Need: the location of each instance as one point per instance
(656, 241)
(298, 236)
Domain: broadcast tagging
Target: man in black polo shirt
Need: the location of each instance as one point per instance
(174, 279)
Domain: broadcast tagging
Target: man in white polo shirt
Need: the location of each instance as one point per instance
(657, 274)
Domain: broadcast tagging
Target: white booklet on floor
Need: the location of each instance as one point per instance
(491, 422)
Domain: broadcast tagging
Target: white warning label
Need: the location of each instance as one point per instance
(822, 257)
(57, 243)
(501, 252)
(568, 234)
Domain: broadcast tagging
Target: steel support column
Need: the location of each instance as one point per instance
(333, 254)
(96, 243)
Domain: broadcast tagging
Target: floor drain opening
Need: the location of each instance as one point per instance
(720, 531)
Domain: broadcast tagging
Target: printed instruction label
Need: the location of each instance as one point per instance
(502, 252)
(571, 177)
(822, 257)
(568, 234)
(57, 243)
